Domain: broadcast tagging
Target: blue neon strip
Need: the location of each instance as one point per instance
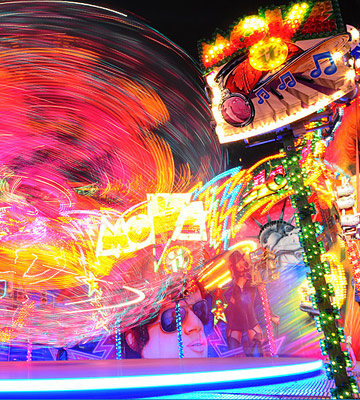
(230, 195)
(230, 172)
(152, 381)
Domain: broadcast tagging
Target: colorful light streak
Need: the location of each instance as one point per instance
(25, 311)
(83, 221)
(221, 201)
(93, 122)
(141, 382)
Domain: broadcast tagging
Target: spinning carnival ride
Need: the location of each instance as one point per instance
(92, 123)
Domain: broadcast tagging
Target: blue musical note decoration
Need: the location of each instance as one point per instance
(331, 69)
(261, 92)
(291, 82)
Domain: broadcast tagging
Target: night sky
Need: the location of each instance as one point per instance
(185, 22)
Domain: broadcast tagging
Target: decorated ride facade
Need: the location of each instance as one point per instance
(163, 251)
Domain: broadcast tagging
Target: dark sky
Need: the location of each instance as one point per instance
(185, 22)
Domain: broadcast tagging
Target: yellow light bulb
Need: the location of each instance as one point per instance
(350, 74)
(337, 55)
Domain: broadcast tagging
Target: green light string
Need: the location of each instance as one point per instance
(179, 331)
(326, 322)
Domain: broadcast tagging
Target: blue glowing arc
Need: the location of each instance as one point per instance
(156, 381)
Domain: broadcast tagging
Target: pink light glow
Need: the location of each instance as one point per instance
(98, 111)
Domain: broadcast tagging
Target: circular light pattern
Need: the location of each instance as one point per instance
(98, 111)
(177, 258)
(268, 55)
(139, 228)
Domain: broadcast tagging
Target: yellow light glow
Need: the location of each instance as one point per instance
(337, 56)
(350, 75)
(312, 178)
(177, 258)
(222, 262)
(253, 23)
(354, 33)
(250, 25)
(224, 282)
(268, 55)
(220, 278)
(337, 278)
(296, 13)
(216, 49)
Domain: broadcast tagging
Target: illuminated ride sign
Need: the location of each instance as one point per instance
(165, 219)
(121, 266)
(276, 68)
(113, 266)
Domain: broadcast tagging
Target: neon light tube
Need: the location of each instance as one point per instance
(152, 381)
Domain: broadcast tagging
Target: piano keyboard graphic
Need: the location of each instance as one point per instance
(305, 93)
(308, 84)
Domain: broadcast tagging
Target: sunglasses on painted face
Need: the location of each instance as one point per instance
(168, 317)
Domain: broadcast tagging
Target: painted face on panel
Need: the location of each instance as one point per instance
(163, 342)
